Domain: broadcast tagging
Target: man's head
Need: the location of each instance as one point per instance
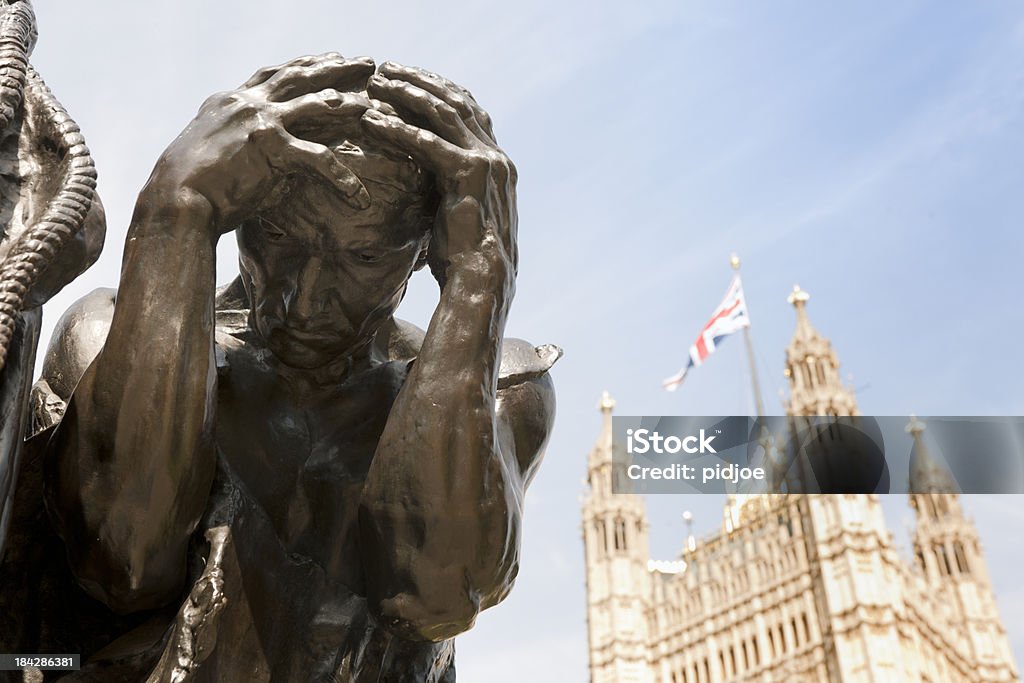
(322, 276)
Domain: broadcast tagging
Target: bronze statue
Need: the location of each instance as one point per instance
(280, 481)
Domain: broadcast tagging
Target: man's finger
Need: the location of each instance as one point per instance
(329, 113)
(428, 149)
(455, 95)
(333, 73)
(423, 108)
(266, 72)
(320, 160)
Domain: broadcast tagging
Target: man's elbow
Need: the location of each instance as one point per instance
(411, 617)
(442, 610)
(128, 582)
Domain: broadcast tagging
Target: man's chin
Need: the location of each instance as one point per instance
(302, 357)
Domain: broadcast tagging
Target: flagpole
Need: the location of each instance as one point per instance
(734, 261)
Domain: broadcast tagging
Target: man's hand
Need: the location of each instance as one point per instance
(445, 131)
(244, 141)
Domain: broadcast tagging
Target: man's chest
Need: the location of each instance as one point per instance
(304, 458)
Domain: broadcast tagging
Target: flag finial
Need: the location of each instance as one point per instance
(734, 261)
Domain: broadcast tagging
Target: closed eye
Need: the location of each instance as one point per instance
(271, 231)
(368, 256)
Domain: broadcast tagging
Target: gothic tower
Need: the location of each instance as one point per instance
(812, 367)
(618, 580)
(851, 556)
(948, 554)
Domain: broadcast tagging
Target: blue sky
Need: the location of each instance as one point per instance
(869, 151)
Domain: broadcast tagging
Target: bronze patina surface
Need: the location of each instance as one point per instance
(280, 480)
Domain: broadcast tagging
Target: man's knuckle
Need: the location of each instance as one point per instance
(446, 112)
(262, 131)
(332, 98)
(424, 137)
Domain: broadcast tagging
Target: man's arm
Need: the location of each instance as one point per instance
(132, 461)
(442, 505)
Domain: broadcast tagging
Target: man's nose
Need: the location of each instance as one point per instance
(310, 296)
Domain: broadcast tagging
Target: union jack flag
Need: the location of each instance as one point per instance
(730, 316)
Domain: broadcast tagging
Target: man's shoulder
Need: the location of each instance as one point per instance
(520, 360)
(77, 339)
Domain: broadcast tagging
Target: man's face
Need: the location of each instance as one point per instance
(321, 275)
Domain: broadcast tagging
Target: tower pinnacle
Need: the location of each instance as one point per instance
(926, 475)
(812, 367)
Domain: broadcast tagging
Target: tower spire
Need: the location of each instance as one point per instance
(812, 368)
(927, 475)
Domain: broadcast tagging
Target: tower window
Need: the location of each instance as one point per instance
(944, 565)
(961, 558)
(602, 534)
(620, 534)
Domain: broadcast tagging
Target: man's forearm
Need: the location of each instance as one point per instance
(442, 502)
(132, 460)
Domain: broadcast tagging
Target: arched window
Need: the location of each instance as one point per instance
(961, 558)
(771, 642)
(944, 566)
(807, 627)
(757, 651)
(602, 535)
(620, 534)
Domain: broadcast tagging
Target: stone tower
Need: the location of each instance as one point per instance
(618, 580)
(848, 545)
(948, 554)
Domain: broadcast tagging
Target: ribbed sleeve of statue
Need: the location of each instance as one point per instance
(442, 506)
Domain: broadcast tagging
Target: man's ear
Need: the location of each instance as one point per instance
(421, 259)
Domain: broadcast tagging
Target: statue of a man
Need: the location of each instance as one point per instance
(337, 493)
